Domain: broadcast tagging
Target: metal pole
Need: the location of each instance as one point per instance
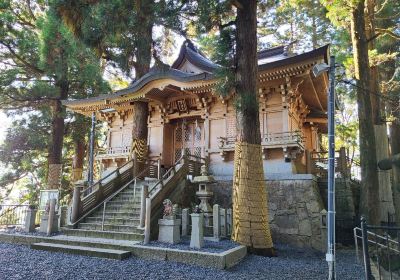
(330, 255)
(91, 151)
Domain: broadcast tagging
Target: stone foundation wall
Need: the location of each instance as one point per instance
(294, 209)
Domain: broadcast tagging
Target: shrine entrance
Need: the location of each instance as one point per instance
(188, 135)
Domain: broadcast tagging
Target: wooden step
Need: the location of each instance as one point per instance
(82, 250)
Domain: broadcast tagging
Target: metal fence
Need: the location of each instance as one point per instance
(13, 215)
(379, 247)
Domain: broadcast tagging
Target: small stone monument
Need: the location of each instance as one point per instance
(44, 222)
(29, 225)
(169, 226)
(197, 237)
(204, 193)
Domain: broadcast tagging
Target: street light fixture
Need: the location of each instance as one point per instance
(330, 254)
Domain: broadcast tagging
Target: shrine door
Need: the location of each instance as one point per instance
(188, 135)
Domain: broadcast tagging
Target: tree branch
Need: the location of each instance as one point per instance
(21, 59)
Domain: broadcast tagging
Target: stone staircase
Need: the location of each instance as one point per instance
(121, 213)
(121, 218)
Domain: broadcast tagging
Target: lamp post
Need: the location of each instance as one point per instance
(330, 254)
(91, 150)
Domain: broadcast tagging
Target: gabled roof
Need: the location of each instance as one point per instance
(268, 60)
(192, 54)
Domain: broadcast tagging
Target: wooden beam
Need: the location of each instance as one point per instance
(317, 120)
(315, 92)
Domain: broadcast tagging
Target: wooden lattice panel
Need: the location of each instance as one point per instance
(188, 136)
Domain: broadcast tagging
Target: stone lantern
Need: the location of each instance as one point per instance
(204, 193)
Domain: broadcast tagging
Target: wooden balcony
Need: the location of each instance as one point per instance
(292, 139)
(114, 152)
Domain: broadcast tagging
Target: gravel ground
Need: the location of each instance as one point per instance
(209, 246)
(19, 262)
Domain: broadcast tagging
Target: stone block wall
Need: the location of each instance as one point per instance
(294, 209)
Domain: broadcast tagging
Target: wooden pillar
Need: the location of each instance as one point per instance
(76, 203)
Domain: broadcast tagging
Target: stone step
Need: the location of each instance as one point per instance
(117, 214)
(125, 245)
(103, 234)
(81, 250)
(111, 227)
(122, 208)
(114, 221)
(117, 203)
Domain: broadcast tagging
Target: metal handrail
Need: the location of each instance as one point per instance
(121, 189)
(166, 175)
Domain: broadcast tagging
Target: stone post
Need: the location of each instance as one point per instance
(223, 222)
(147, 222)
(76, 202)
(229, 221)
(216, 222)
(63, 215)
(52, 213)
(145, 194)
(29, 225)
(185, 222)
(197, 237)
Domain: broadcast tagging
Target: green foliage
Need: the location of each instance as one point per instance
(38, 52)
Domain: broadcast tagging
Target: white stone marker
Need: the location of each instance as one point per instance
(144, 195)
(52, 213)
(185, 222)
(147, 221)
(197, 237)
(216, 223)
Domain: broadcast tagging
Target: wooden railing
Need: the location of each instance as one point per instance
(113, 151)
(317, 163)
(94, 195)
(185, 165)
(150, 171)
(269, 140)
(289, 138)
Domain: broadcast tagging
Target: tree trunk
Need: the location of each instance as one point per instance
(142, 66)
(250, 206)
(369, 198)
(78, 160)
(57, 138)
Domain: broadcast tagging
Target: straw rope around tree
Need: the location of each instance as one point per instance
(250, 212)
(54, 176)
(139, 147)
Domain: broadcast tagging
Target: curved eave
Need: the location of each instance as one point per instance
(321, 52)
(194, 58)
(139, 88)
